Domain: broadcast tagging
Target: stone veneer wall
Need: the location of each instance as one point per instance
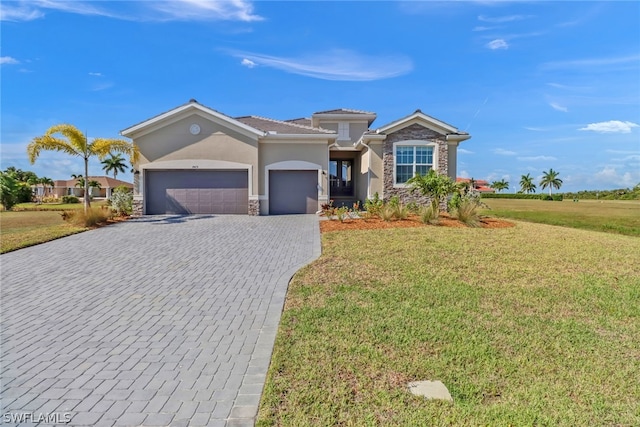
(410, 133)
(137, 207)
(254, 207)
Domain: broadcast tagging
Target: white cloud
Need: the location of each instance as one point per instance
(248, 63)
(96, 74)
(503, 152)
(612, 126)
(463, 151)
(567, 87)
(534, 129)
(483, 28)
(537, 158)
(610, 176)
(204, 10)
(558, 107)
(335, 64)
(167, 10)
(8, 60)
(622, 151)
(502, 19)
(464, 174)
(497, 44)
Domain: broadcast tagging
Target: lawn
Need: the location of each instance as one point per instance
(27, 228)
(613, 216)
(529, 325)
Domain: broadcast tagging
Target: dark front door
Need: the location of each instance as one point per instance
(341, 178)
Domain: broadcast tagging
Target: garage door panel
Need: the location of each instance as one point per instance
(197, 192)
(293, 192)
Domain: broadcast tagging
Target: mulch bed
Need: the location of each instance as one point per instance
(413, 221)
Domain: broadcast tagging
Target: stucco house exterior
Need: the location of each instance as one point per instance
(69, 187)
(195, 159)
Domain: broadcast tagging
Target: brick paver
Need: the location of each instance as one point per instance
(156, 321)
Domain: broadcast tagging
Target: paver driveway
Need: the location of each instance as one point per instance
(157, 321)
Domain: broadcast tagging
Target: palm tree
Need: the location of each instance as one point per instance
(46, 184)
(114, 163)
(550, 179)
(75, 143)
(94, 184)
(526, 184)
(500, 185)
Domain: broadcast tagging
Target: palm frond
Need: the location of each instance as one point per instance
(102, 147)
(75, 137)
(49, 143)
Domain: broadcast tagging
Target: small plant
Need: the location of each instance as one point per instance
(394, 202)
(373, 206)
(121, 201)
(467, 213)
(342, 213)
(70, 199)
(50, 199)
(328, 209)
(413, 207)
(387, 213)
(400, 211)
(356, 207)
(428, 215)
(92, 217)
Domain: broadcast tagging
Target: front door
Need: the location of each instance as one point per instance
(341, 178)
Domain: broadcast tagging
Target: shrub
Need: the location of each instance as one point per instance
(50, 199)
(434, 186)
(510, 196)
(413, 207)
(558, 197)
(328, 209)
(373, 206)
(8, 188)
(387, 213)
(121, 201)
(394, 202)
(428, 215)
(467, 213)
(342, 213)
(400, 211)
(70, 199)
(92, 217)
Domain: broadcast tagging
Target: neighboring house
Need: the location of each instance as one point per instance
(478, 184)
(68, 187)
(197, 160)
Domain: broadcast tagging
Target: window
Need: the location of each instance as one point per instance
(343, 131)
(412, 160)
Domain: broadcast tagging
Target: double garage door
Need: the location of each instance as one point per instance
(197, 192)
(227, 192)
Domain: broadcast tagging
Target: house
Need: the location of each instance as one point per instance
(68, 187)
(478, 184)
(195, 159)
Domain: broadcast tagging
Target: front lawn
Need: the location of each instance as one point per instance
(529, 325)
(22, 229)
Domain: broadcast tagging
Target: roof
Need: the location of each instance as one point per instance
(192, 105)
(304, 121)
(419, 117)
(281, 127)
(104, 181)
(344, 111)
(480, 185)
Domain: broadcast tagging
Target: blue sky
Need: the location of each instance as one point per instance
(538, 85)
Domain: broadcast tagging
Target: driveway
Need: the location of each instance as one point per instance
(159, 321)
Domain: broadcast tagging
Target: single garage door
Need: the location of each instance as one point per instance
(293, 192)
(197, 192)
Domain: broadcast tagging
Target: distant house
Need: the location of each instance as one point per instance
(478, 184)
(68, 187)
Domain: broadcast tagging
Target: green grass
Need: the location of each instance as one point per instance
(28, 228)
(612, 216)
(530, 325)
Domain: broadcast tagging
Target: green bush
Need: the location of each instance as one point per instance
(373, 206)
(70, 199)
(558, 197)
(8, 188)
(121, 201)
(428, 215)
(467, 213)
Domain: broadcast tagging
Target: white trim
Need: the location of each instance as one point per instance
(314, 138)
(178, 113)
(421, 118)
(413, 143)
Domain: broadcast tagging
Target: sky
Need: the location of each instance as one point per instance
(538, 85)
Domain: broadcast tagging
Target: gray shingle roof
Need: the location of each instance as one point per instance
(271, 125)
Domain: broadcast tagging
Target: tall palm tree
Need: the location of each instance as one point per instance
(47, 183)
(550, 179)
(75, 143)
(114, 163)
(500, 185)
(94, 184)
(526, 184)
